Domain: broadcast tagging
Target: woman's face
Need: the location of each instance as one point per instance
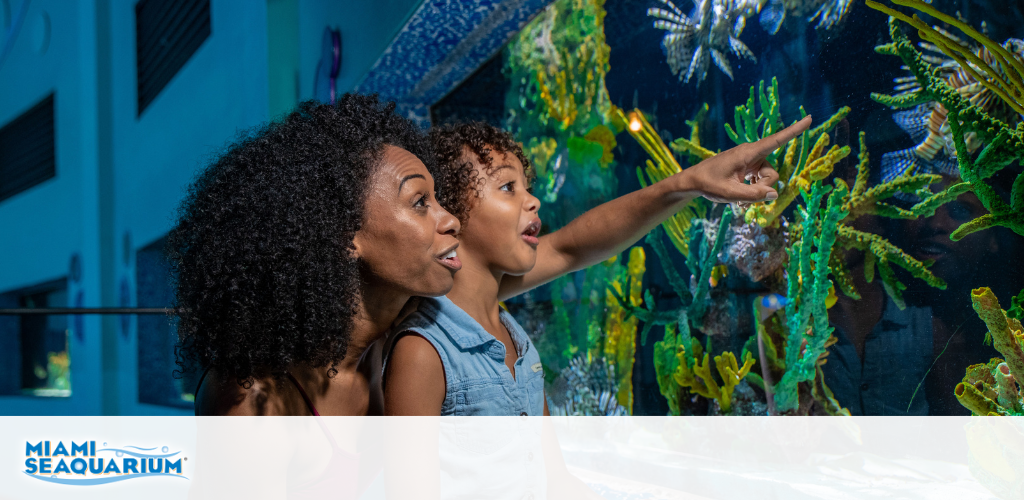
(503, 226)
(407, 241)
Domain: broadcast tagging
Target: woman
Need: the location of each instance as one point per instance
(294, 251)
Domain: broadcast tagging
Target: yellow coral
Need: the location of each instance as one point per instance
(701, 382)
(620, 326)
(818, 165)
(663, 166)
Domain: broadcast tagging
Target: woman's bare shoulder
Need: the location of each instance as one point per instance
(223, 395)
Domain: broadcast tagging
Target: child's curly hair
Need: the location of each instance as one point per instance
(456, 178)
(261, 251)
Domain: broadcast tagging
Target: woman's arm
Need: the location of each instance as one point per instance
(611, 227)
(414, 380)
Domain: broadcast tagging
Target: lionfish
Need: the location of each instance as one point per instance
(927, 125)
(710, 31)
(590, 390)
(829, 14)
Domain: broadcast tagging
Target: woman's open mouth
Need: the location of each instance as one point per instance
(450, 260)
(531, 233)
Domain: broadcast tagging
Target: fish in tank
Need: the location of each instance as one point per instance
(874, 285)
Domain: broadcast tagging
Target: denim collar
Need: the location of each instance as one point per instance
(465, 331)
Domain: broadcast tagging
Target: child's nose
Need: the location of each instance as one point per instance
(532, 203)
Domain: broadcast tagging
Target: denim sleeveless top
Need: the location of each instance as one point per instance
(477, 382)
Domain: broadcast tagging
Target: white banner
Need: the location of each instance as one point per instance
(649, 458)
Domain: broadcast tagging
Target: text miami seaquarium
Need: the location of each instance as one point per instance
(85, 465)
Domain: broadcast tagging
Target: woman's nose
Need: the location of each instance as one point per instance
(448, 224)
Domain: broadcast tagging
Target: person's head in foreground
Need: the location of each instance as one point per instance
(300, 244)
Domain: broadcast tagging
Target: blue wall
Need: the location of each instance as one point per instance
(120, 176)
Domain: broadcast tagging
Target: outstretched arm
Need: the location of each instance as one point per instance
(611, 227)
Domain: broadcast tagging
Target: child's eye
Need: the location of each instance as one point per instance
(508, 186)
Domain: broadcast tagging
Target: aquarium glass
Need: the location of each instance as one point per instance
(885, 280)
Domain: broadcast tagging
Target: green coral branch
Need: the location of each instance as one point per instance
(928, 206)
(935, 89)
(1000, 214)
(885, 253)
(807, 293)
(708, 261)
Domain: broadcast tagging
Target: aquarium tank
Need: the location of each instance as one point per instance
(886, 277)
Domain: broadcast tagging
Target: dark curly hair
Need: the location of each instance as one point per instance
(263, 273)
(457, 180)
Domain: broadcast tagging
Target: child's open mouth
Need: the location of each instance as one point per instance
(531, 233)
(450, 260)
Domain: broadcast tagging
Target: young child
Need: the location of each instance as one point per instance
(462, 354)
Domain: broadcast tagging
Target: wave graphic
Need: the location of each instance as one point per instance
(137, 454)
(98, 480)
(143, 449)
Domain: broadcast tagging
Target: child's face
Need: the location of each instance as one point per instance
(503, 225)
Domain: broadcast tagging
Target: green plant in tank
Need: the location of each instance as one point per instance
(808, 159)
(993, 388)
(1004, 144)
(808, 287)
(558, 106)
(791, 341)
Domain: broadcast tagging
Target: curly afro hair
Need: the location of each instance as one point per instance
(264, 277)
(458, 182)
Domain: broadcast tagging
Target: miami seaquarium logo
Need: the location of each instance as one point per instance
(85, 465)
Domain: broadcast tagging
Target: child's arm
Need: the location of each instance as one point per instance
(611, 227)
(415, 382)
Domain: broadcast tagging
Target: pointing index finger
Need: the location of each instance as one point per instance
(780, 138)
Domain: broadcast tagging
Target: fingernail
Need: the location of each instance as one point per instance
(772, 195)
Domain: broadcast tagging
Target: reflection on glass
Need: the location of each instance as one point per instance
(45, 360)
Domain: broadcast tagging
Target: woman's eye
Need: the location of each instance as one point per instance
(420, 202)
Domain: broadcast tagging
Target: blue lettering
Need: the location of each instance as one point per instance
(44, 465)
(92, 448)
(47, 448)
(78, 466)
(37, 449)
(98, 469)
(168, 465)
(159, 465)
(79, 448)
(143, 463)
(111, 467)
(61, 450)
(30, 465)
(130, 465)
(62, 467)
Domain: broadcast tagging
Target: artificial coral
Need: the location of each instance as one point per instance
(1004, 144)
(994, 388)
(791, 341)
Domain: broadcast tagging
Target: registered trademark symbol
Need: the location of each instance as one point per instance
(186, 459)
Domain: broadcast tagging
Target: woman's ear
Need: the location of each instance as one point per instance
(355, 251)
